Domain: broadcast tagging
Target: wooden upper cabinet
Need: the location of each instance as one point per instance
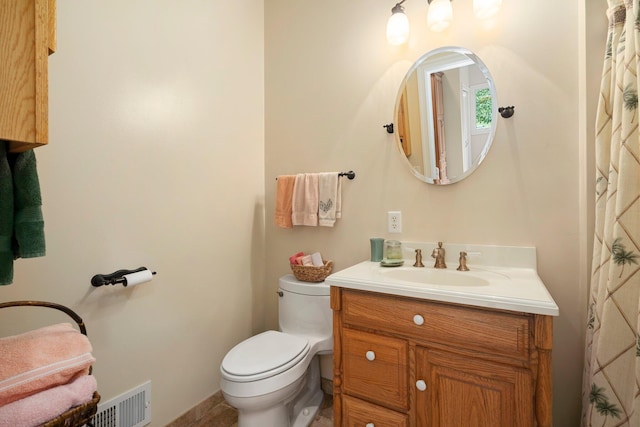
(27, 38)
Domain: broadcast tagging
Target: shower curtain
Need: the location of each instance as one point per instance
(611, 386)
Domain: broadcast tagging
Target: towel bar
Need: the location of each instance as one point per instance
(350, 174)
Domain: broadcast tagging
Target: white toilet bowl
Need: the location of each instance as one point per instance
(273, 378)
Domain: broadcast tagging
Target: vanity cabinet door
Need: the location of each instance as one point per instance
(376, 368)
(27, 37)
(458, 391)
(358, 413)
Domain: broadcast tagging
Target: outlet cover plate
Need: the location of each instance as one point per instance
(394, 221)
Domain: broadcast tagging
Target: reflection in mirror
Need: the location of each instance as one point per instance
(446, 115)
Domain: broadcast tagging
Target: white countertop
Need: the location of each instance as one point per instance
(493, 286)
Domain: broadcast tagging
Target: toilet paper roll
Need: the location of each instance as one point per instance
(137, 278)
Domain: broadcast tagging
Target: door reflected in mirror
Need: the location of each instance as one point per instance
(446, 113)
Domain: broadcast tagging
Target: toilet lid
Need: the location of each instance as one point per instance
(264, 355)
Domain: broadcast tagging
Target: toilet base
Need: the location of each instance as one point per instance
(299, 405)
(307, 403)
(277, 415)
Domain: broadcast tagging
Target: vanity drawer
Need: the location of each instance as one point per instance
(503, 334)
(375, 367)
(358, 413)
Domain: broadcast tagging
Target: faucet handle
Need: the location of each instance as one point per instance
(463, 262)
(418, 262)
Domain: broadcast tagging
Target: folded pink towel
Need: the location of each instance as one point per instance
(44, 406)
(41, 359)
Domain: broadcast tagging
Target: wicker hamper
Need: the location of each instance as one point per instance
(308, 273)
(79, 415)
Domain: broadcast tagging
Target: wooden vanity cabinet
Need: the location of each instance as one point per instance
(27, 38)
(402, 361)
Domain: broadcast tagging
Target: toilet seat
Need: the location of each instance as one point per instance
(264, 355)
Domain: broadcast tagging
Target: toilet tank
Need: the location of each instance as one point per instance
(304, 308)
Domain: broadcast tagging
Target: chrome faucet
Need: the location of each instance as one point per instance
(438, 254)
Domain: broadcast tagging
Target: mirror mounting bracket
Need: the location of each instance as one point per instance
(388, 127)
(506, 112)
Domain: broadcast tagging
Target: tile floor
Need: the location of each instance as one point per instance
(215, 412)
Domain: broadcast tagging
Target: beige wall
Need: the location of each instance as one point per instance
(155, 158)
(157, 106)
(331, 82)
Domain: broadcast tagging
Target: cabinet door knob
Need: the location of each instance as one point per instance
(421, 385)
(418, 320)
(370, 425)
(371, 355)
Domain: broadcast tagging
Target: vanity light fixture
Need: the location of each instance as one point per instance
(485, 9)
(398, 25)
(439, 17)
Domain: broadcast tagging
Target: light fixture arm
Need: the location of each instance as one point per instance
(398, 7)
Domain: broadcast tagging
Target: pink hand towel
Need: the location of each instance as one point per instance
(41, 359)
(44, 406)
(284, 199)
(305, 200)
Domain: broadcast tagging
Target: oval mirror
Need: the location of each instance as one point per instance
(446, 115)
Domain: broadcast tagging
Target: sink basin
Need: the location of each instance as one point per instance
(500, 277)
(431, 276)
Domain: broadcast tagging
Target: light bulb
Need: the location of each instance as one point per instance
(397, 27)
(485, 9)
(440, 15)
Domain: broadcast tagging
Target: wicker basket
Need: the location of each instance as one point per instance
(308, 273)
(80, 415)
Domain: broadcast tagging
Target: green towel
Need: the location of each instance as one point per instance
(28, 225)
(21, 223)
(6, 218)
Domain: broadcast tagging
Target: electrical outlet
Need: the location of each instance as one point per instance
(394, 221)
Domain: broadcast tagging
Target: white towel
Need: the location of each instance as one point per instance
(339, 199)
(304, 204)
(328, 198)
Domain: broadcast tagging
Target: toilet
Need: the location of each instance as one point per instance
(273, 378)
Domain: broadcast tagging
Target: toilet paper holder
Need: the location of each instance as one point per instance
(124, 277)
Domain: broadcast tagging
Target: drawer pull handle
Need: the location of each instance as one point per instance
(370, 425)
(418, 320)
(421, 385)
(370, 355)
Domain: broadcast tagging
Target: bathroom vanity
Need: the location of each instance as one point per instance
(426, 347)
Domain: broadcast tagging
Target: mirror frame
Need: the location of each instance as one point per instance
(494, 110)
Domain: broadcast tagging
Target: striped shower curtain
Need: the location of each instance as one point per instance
(611, 386)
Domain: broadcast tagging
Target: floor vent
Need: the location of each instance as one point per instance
(130, 409)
